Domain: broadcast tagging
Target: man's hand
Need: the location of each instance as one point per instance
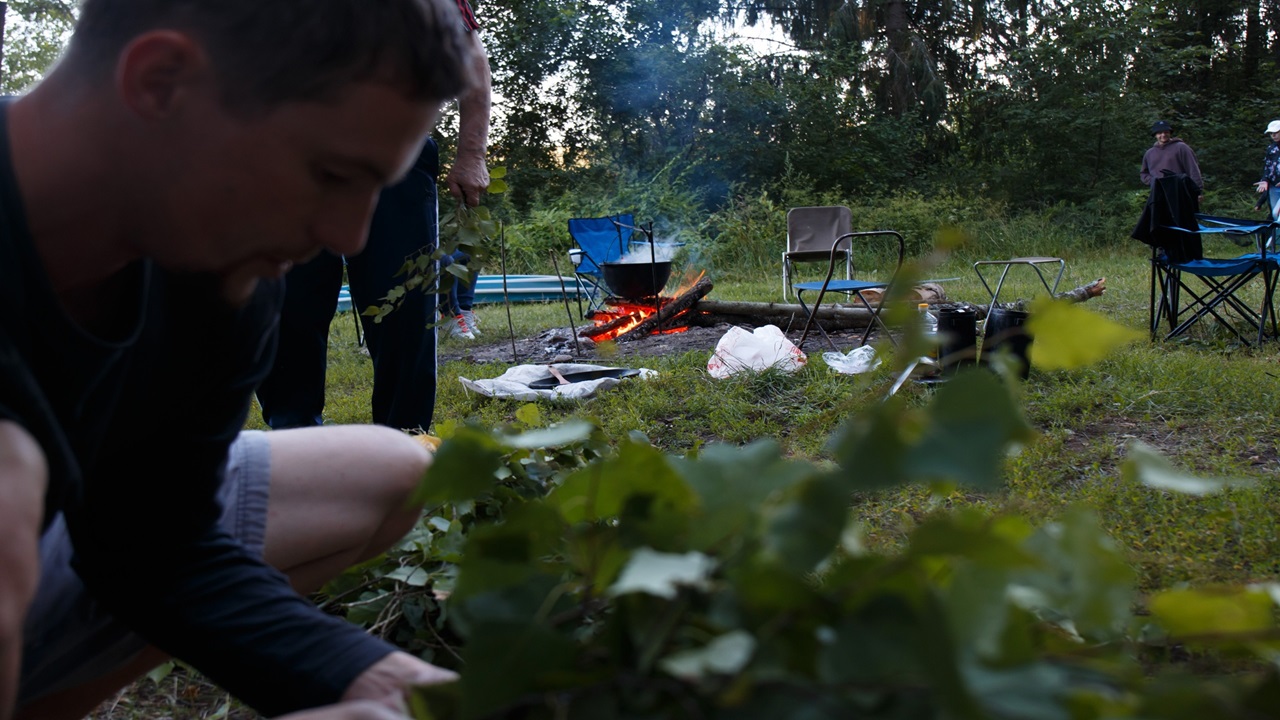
(387, 680)
(23, 476)
(1261, 186)
(468, 178)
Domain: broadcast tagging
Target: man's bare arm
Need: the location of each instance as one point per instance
(468, 177)
(23, 477)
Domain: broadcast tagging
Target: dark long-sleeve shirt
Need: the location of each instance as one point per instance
(135, 428)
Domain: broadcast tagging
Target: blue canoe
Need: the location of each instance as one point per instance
(520, 288)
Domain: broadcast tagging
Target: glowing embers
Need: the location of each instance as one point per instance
(627, 319)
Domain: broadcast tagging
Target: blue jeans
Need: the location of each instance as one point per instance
(461, 293)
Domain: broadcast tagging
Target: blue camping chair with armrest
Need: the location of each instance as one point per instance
(843, 246)
(1221, 282)
(600, 240)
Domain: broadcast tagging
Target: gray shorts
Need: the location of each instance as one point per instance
(69, 639)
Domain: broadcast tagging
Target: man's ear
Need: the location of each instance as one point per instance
(158, 70)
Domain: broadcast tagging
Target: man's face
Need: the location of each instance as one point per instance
(1163, 137)
(245, 198)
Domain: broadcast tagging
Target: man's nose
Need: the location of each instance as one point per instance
(343, 228)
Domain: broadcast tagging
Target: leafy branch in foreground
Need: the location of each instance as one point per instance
(569, 579)
(468, 229)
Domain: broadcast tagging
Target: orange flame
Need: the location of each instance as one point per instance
(622, 316)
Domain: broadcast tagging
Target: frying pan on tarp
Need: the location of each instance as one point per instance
(584, 376)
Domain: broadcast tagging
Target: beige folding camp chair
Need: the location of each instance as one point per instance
(811, 231)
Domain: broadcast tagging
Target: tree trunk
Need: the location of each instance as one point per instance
(1253, 39)
(4, 12)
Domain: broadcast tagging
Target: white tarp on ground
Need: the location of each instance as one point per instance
(514, 383)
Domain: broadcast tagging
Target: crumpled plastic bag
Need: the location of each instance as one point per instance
(859, 360)
(765, 347)
(514, 383)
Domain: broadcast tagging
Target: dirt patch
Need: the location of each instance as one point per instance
(556, 345)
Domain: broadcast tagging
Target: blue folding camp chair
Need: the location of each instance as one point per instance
(599, 241)
(1221, 282)
(843, 248)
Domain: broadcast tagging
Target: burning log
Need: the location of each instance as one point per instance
(610, 328)
(668, 311)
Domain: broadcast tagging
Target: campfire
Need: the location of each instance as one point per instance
(627, 318)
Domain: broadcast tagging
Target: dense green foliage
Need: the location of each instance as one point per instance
(574, 577)
(1028, 102)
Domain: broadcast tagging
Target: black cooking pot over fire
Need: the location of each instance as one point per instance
(636, 281)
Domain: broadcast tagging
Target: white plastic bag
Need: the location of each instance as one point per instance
(859, 360)
(763, 348)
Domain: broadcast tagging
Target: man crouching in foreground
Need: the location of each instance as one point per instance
(153, 189)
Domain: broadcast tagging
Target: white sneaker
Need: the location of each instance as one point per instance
(473, 322)
(458, 328)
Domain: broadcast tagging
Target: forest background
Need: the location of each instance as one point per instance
(1025, 105)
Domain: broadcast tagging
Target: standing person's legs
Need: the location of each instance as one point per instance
(312, 501)
(293, 394)
(403, 344)
(1273, 196)
(463, 294)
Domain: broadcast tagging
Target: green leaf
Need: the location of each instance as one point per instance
(872, 448)
(732, 484)
(371, 311)
(567, 433)
(497, 172)
(725, 655)
(662, 574)
(529, 415)
(1146, 465)
(463, 468)
(496, 186)
(508, 553)
(506, 661)
(1213, 611)
(972, 425)
(1068, 336)
(1085, 579)
(601, 489)
(972, 535)
(804, 529)
(878, 643)
(161, 671)
(414, 576)
(1038, 690)
(438, 701)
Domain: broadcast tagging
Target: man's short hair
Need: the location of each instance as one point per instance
(267, 52)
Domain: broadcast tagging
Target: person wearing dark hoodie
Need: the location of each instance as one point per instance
(1169, 155)
(1170, 169)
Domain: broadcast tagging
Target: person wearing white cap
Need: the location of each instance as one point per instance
(1269, 186)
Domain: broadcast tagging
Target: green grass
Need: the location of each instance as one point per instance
(1205, 401)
